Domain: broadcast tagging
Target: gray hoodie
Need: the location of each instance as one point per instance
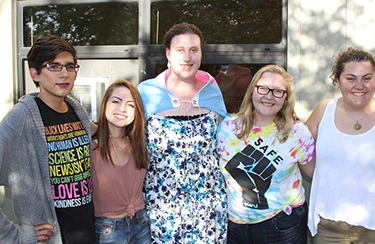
(24, 168)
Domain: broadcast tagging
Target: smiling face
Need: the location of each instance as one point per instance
(120, 109)
(357, 84)
(185, 56)
(55, 85)
(267, 106)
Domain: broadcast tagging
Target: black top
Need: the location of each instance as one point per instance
(70, 173)
(186, 117)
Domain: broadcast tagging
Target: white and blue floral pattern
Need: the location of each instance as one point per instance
(185, 191)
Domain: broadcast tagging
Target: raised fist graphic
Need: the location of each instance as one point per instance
(253, 172)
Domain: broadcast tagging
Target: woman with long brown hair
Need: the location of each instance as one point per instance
(119, 167)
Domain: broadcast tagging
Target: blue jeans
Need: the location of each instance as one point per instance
(281, 229)
(136, 230)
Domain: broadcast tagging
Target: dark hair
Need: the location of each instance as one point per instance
(135, 131)
(46, 49)
(179, 29)
(349, 55)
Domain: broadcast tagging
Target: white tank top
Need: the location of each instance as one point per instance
(343, 186)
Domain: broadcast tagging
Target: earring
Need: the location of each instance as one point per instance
(169, 64)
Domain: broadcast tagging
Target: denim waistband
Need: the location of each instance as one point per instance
(125, 220)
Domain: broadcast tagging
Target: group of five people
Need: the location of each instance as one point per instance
(166, 164)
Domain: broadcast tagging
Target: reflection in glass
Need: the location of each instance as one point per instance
(233, 80)
(221, 21)
(110, 23)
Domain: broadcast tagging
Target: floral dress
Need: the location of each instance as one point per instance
(185, 191)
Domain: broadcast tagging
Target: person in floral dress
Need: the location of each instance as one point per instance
(184, 188)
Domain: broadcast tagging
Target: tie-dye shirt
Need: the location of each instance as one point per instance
(262, 174)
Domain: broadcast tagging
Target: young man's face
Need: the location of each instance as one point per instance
(55, 85)
(185, 55)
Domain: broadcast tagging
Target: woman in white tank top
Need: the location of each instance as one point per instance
(342, 199)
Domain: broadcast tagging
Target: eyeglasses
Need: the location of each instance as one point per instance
(264, 90)
(55, 67)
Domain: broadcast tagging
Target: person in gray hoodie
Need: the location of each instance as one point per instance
(45, 155)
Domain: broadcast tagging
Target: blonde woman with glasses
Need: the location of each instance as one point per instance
(262, 149)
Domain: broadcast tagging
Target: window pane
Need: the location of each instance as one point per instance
(111, 23)
(221, 21)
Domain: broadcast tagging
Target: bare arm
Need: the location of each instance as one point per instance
(313, 124)
(94, 127)
(308, 168)
(316, 116)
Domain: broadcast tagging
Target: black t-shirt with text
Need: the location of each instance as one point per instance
(69, 163)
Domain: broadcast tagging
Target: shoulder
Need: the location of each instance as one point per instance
(151, 89)
(150, 85)
(299, 125)
(20, 122)
(316, 117)
(79, 110)
(17, 114)
(146, 83)
(155, 97)
(211, 88)
(94, 143)
(210, 96)
(302, 144)
(228, 124)
(318, 112)
(301, 129)
(321, 107)
(230, 120)
(302, 138)
(74, 103)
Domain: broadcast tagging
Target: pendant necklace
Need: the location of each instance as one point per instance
(357, 125)
(120, 148)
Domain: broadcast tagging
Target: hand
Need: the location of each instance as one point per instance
(44, 232)
(253, 172)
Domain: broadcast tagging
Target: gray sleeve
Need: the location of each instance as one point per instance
(15, 234)
(5, 148)
(9, 132)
